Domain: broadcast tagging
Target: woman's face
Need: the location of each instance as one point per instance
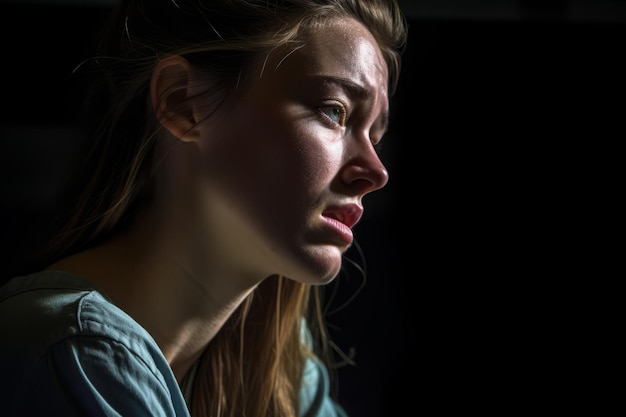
(286, 167)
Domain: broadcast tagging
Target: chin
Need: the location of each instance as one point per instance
(324, 270)
(310, 264)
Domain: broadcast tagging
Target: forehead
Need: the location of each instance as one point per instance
(346, 47)
(338, 47)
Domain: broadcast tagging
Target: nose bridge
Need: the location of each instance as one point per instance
(363, 165)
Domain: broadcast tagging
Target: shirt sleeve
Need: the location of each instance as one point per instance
(94, 376)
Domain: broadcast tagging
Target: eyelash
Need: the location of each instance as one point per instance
(335, 106)
(342, 120)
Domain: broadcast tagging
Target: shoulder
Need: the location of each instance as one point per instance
(47, 307)
(315, 399)
(62, 339)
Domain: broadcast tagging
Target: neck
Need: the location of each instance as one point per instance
(181, 300)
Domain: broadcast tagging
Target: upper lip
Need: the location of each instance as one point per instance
(348, 214)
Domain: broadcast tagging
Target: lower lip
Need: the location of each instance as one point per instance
(340, 229)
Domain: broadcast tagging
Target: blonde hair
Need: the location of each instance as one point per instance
(253, 367)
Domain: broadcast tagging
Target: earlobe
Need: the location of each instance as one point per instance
(169, 92)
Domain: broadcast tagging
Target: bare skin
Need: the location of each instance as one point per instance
(271, 184)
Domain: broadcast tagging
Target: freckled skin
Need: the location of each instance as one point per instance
(278, 162)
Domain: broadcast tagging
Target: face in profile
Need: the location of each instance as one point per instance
(292, 158)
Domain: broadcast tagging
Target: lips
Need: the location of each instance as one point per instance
(348, 214)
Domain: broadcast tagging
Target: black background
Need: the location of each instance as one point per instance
(494, 127)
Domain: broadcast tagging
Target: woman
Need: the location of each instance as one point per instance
(233, 142)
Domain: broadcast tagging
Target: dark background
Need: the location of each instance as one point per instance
(495, 126)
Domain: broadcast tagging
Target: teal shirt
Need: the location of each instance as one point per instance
(66, 349)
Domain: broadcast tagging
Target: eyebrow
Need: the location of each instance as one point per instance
(354, 90)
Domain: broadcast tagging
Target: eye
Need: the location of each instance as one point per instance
(335, 113)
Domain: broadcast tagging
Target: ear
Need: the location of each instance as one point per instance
(170, 89)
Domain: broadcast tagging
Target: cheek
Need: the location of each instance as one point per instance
(318, 158)
(300, 160)
(270, 163)
(268, 156)
(280, 152)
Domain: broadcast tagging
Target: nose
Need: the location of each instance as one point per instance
(364, 172)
